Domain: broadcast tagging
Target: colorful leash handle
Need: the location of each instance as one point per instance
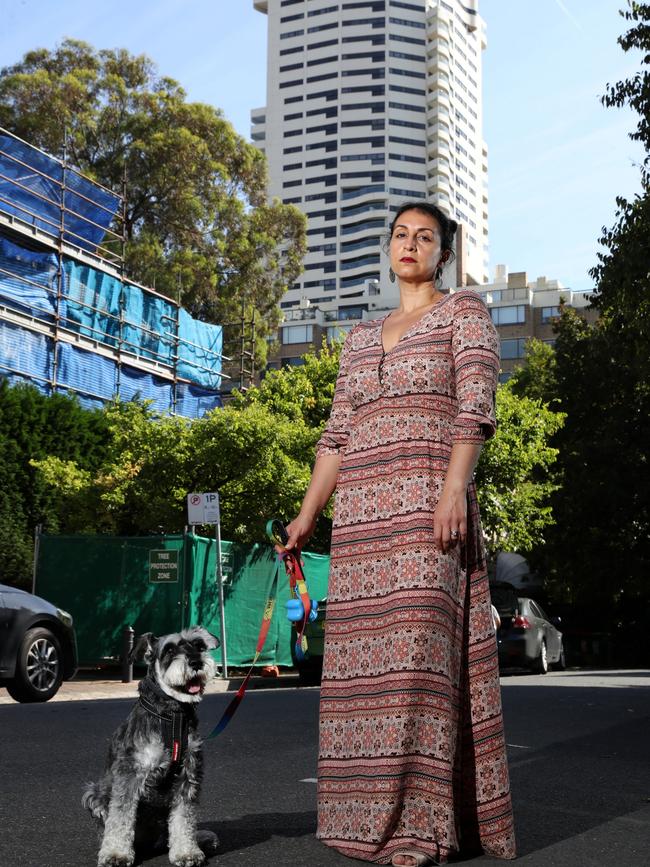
(278, 535)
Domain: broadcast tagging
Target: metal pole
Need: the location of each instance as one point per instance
(37, 548)
(222, 613)
(128, 636)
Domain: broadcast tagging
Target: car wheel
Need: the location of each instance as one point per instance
(39, 667)
(540, 666)
(560, 665)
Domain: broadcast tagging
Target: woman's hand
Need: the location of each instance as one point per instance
(299, 531)
(450, 518)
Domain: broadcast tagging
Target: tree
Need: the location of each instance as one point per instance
(536, 378)
(198, 224)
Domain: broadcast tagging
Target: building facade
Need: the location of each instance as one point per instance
(370, 104)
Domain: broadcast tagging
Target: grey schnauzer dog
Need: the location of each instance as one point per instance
(148, 795)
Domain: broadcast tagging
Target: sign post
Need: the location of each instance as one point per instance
(204, 509)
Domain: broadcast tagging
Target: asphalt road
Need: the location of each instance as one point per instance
(578, 745)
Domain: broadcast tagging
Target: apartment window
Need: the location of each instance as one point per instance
(323, 44)
(361, 191)
(375, 56)
(292, 201)
(330, 111)
(406, 6)
(326, 163)
(407, 193)
(290, 99)
(513, 348)
(322, 11)
(291, 66)
(514, 315)
(327, 145)
(380, 123)
(326, 249)
(402, 56)
(345, 313)
(405, 107)
(374, 158)
(369, 22)
(336, 332)
(408, 72)
(292, 150)
(332, 59)
(353, 210)
(320, 27)
(326, 128)
(329, 214)
(290, 2)
(293, 116)
(328, 198)
(373, 38)
(375, 177)
(291, 184)
(327, 95)
(375, 107)
(328, 180)
(374, 141)
(407, 141)
(295, 17)
(375, 5)
(372, 89)
(408, 175)
(325, 231)
(407, 158)
(297, 82)
(410, 123)
(373, 73)
(412, 40)
(358, 245)
(361, 226)
(292, 132)
(405, 23)
(359, 261)
(297, 333)
(325, 267)
(324, 77)
(296, 50)
(549, 313)
(291, 33)
(358, 280)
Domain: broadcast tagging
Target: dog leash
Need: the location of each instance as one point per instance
(277, 534)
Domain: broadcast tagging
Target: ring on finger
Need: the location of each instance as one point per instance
(454, 534)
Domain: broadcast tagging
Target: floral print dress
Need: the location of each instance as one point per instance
(412, 751)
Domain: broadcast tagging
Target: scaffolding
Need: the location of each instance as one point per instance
(69, 317)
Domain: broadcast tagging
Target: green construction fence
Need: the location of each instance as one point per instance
(161, 584)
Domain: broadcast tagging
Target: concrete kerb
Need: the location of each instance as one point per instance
(95, 685)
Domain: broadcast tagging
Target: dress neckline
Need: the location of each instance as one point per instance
(410, 328)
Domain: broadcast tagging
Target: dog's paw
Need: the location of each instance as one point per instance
(192, 858)
(116, 859)
(208, 841)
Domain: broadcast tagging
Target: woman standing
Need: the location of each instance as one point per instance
(412, 763)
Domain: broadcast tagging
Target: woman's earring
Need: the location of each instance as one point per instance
(391, 275)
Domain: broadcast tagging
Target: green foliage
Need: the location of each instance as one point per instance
(536, 378)
(198, 223)
(514, 477)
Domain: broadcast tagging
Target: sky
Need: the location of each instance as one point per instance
(557, 157)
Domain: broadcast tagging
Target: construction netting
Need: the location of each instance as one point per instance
(162, 584)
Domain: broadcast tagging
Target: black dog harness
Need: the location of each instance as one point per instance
(175, 731)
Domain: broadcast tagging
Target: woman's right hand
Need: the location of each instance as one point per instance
(300, 531)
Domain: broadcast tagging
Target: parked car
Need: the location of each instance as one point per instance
(527, 637)
(38, 646)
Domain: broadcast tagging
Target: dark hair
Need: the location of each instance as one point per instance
(447, 228)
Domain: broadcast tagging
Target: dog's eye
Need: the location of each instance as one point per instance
(199, 645)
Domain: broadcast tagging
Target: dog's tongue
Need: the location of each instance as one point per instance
(194, 686)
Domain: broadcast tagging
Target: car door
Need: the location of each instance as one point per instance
(5, 628)
(550, 632)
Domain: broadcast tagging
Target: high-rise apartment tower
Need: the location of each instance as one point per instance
(371, 103)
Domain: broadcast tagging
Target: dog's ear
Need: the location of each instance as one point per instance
(211, 641)
(144, 648)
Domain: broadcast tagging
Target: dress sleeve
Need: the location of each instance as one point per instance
(337, 428)
(475, 346)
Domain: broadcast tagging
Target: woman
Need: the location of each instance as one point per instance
(412, 763)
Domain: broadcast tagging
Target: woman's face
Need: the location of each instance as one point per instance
(415, 247)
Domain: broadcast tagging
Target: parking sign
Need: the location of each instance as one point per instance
(203, 508)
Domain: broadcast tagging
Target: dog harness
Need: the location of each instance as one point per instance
(175, 731)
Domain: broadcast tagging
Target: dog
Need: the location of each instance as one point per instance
(148, 795)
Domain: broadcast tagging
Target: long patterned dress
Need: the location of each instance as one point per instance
(412, 751)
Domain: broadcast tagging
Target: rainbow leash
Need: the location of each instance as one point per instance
(278, 535)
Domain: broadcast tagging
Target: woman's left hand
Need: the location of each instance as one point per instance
(450, 519)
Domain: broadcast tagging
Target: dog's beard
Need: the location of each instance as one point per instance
(182, 682)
